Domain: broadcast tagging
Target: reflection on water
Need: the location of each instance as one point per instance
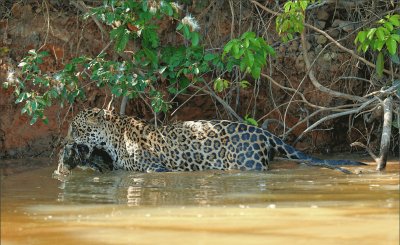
(302, 204)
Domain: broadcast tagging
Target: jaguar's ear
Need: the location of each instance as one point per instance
(100, 115)
(96, 118)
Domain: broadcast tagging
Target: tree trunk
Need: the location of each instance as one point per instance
(123, 105)
(386, 133)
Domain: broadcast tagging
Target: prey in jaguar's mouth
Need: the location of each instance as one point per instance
(79, 155)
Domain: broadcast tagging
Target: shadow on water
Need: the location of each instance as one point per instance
(283, 205)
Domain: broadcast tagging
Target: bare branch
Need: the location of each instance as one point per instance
(332, 116)
(366, 148)
(221, 101)
(315, 81)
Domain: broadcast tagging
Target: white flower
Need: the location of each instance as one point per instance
(153, 6)
(191, 22)
(153, 10)
(11, 76)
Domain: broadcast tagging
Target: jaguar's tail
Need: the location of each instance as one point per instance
(289, 152)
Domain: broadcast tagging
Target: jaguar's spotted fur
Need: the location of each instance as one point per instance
(135, 145)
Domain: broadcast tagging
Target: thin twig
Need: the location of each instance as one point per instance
(366, 148)
(332, 116)
(221, 101)
(48, 25)
(82, 7)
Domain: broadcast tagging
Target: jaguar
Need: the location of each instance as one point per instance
(103, 140)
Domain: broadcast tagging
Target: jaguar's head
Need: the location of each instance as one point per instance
(86, 134)
(88, 128)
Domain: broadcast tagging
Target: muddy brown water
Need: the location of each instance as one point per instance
(291, 204)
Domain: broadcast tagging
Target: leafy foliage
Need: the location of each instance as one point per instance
(291, 21)
(63, 86)
(384, 38)
(248, 52)
(150, 62)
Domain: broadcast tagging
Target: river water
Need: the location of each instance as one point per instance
(291, 204)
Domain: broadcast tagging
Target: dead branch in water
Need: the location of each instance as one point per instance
(386, 133)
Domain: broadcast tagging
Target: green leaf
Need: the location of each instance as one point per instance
(34, 105)
(391, 45)
(228, 46)
(256, 72)
(394, 19)
(179, 27)
(34, 119)
(79, 60)
(378, 44)
(396, 37)
(248, 35)
(122, 41)
(246, 43)
(388, 26)
(151, 55)
(360, 37)
(69, 67)
(168, 9)
(186, 31)
(244, 84)
(26, 108)
(116, 90)
(380, 33)
(22, 96)
(243, 64)
(379, 64)
(250, 58)
(220, 85)
(117, 32)
(195, 38)
(209, 57)
(303, 5)
(255, 43)
(365, 46)
(270, 50)
(371, 33)
(250, 120)
(235, 51)
(287, 6)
